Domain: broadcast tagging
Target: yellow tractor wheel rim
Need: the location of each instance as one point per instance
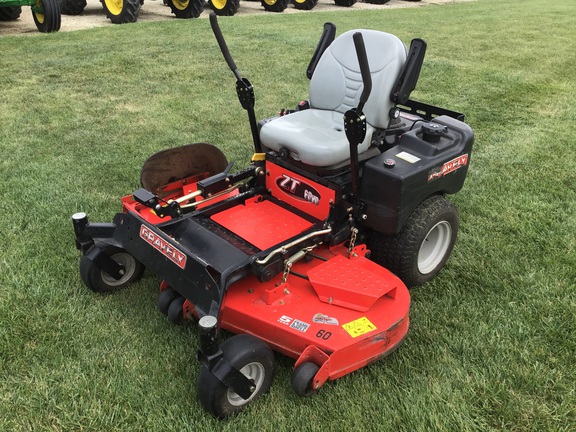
(270, 2)
(39, 16)
(114, 6)
(219, 4)
(181, 4)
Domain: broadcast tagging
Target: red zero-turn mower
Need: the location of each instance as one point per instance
(309, 251)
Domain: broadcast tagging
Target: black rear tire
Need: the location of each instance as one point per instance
(72, 7)
(249, 355)
(275, 5)
(345, 3)
(99, 281)
(186, 8)
(378, 2)
(10, 13)
(47, 17)
(418, 253)
(304, 4)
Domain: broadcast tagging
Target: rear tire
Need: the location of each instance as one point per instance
(10, 13)
(122, 11)
(186, 8)
(378, 2)
(304, 4)
(419, 251)
(345, 3)
(72, 7)
(46, 14)
(254, 359)
(275, 5)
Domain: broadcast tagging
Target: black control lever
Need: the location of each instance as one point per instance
(364, 69)
(354, 119)
(244, 88)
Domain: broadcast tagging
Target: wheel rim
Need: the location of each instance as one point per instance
(270, 2)
(181, 4)
(39, 15)
(255, 372)
(129, 264)
(434, 247)
(219, 4)
(300, 1)
(114, 6)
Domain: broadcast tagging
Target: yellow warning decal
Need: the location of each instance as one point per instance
(359, 327)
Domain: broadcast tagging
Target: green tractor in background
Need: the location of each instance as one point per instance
(118, 11)
(127, 11)
(46, 13)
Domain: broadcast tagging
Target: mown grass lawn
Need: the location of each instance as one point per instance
(492, 340)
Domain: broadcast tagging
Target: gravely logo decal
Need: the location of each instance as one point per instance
(448, 167)
(163, 246)
(298, 189)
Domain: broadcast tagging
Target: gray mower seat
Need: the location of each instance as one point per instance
(316, 136)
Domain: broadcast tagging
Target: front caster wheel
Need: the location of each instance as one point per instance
(250, 356)
(99, 281)
(303, 379)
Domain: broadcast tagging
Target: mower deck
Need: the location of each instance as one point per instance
(315, 315)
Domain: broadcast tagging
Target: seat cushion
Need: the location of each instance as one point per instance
(315, 137)
(337, 82)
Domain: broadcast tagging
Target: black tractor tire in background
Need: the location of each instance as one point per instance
(122, 11)
(378, 2)
(10, 13)
(186, 8)
(225, 7)
(46, 14)
(419, 251)
(304, 4)
(345, 3)
(72, 7)
(275, 5)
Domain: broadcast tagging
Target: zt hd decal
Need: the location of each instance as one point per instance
(298, 189)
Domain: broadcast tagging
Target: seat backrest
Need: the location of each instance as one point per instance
(337, 83)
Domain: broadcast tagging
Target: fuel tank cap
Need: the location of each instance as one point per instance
(432, 132)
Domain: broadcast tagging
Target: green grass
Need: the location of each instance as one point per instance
(492, 340)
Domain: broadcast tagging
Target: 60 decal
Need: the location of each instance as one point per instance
(323, 334)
